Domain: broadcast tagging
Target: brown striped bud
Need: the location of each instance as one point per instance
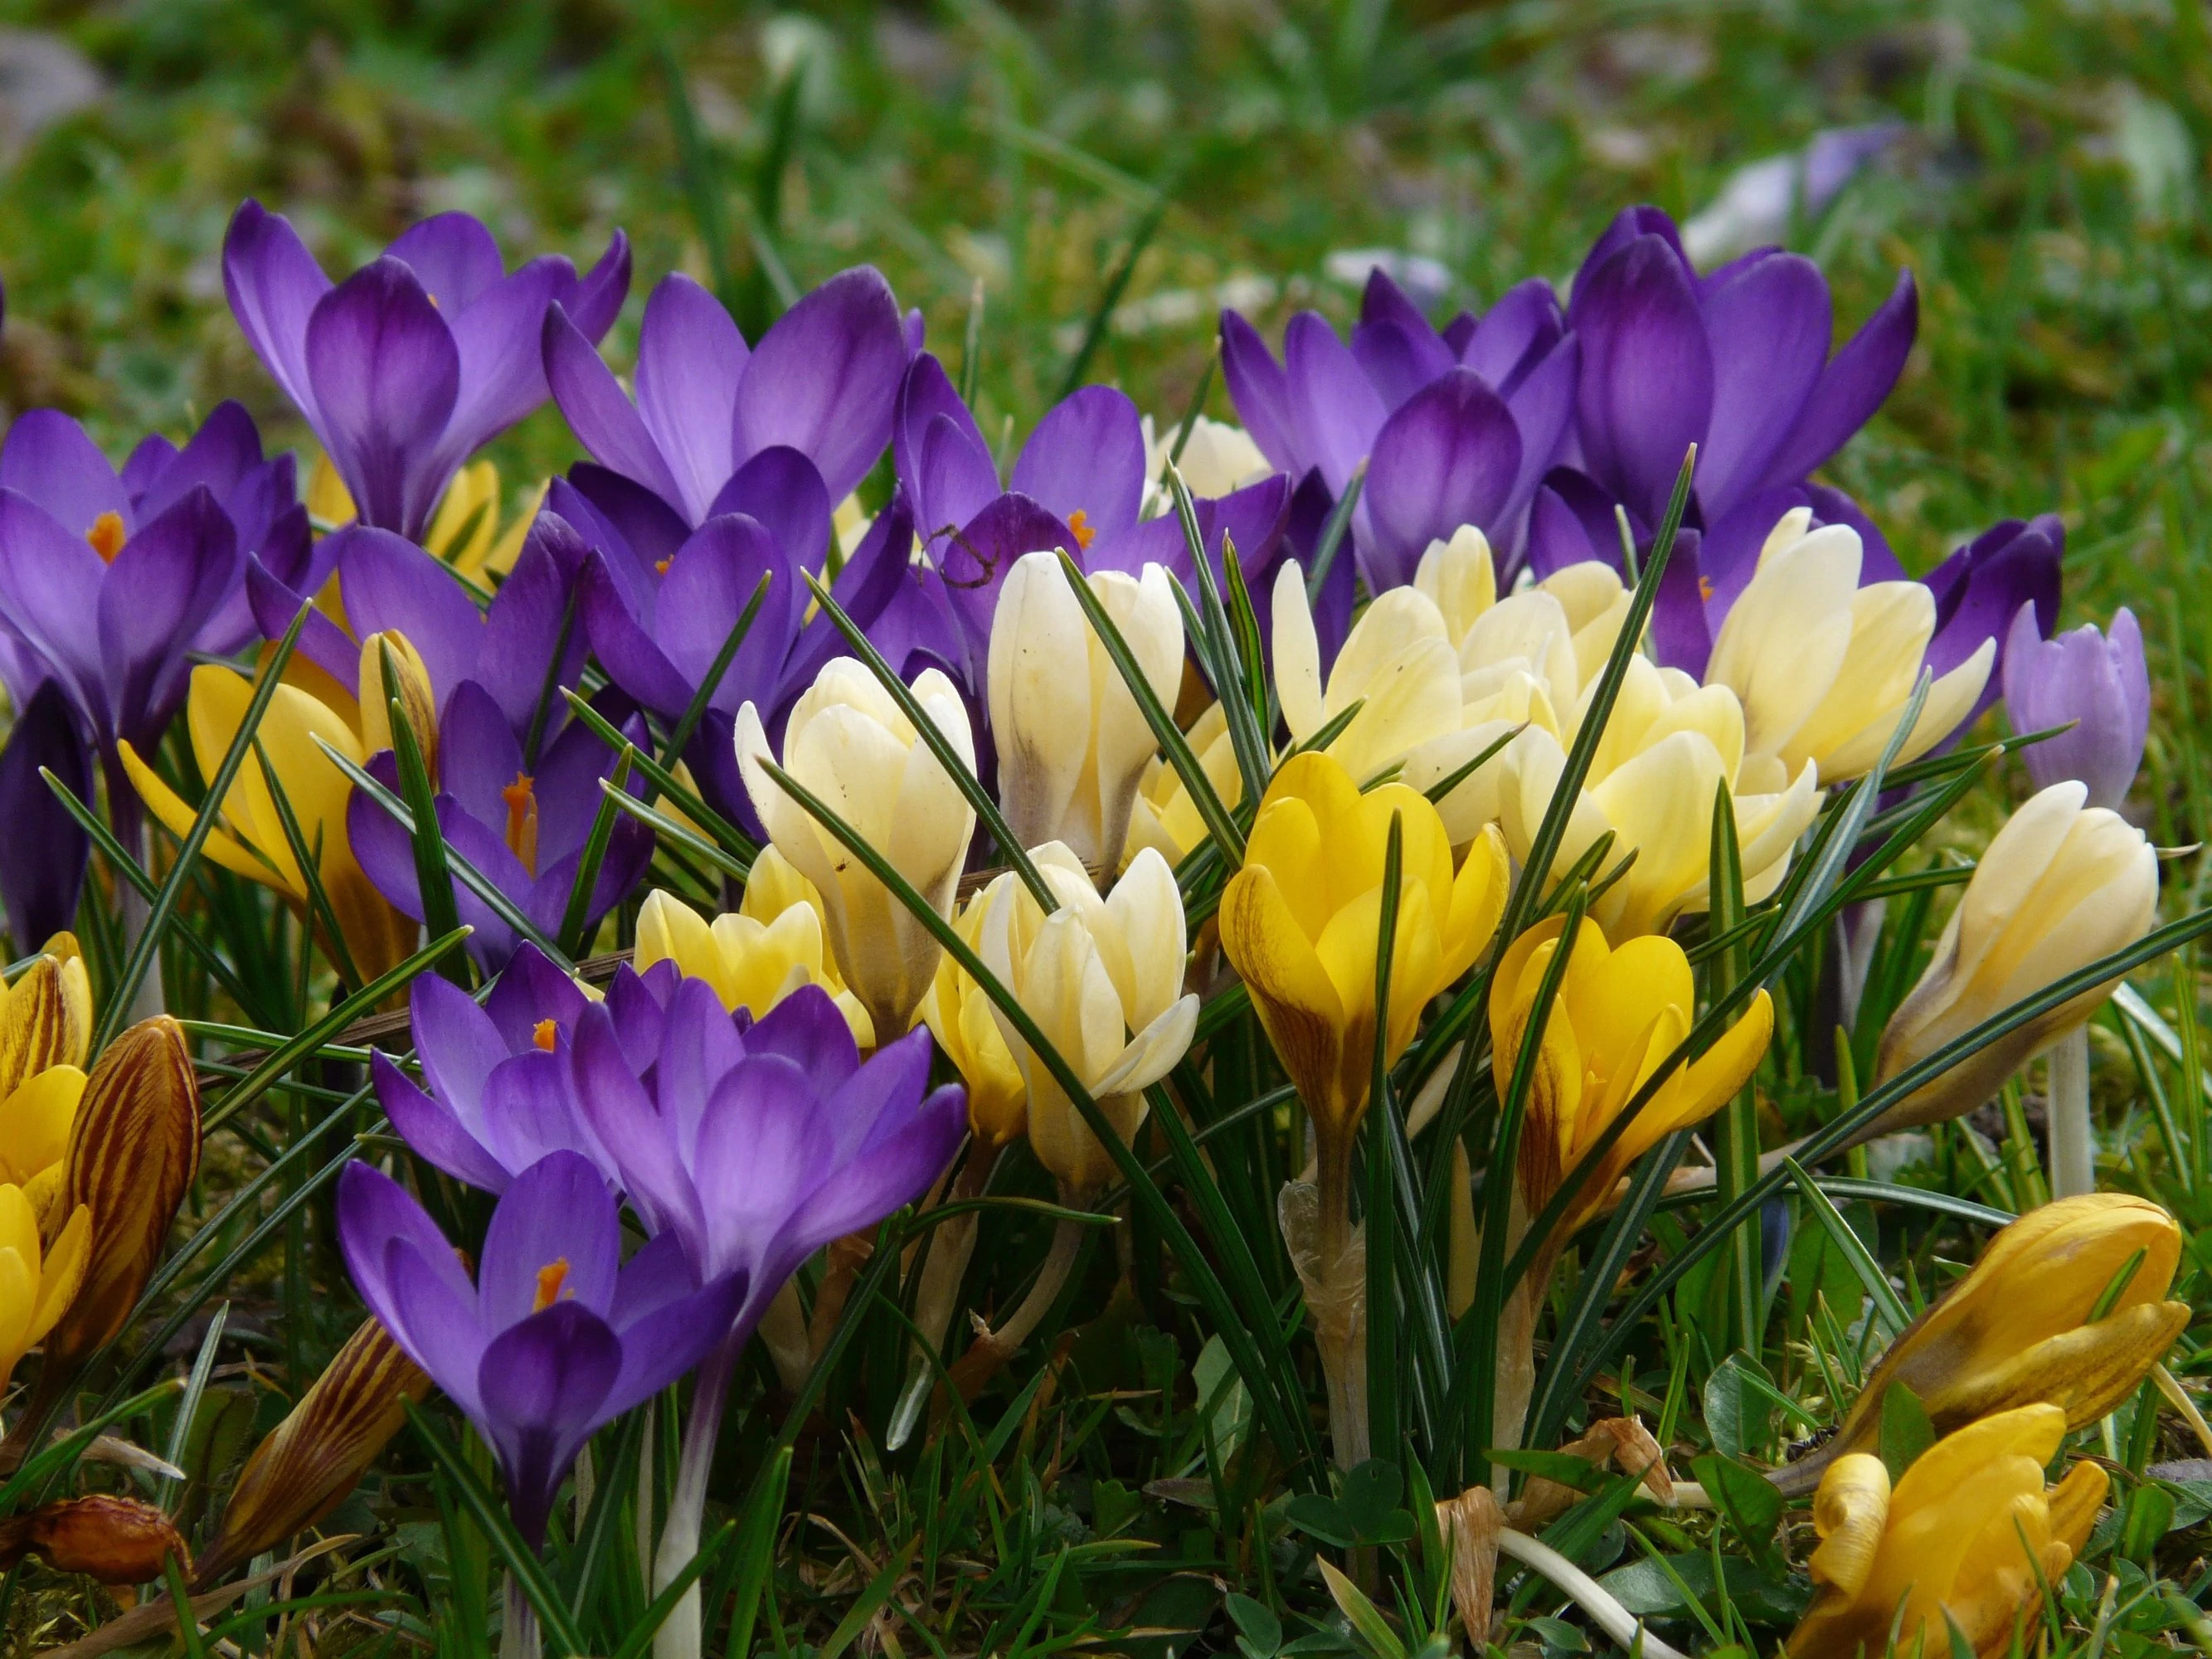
(133, 1150)
(45, 1016)
(118, 1541)
(310, 1460)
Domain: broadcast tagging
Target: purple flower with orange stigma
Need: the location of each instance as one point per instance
(1735, 361)
(523, 824)
(418, 359)
(556, 1336)
(2097, 682)
(1457, 428)
(820, 385)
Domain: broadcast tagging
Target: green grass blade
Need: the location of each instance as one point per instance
(577, 915)
(696, 710)
(1334, 530)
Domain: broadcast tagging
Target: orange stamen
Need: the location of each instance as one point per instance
(522, 820)
(1705, 587)
(542, 1033)
(1079, 522)
(660, 566)
(106, 535)
(552, 1279)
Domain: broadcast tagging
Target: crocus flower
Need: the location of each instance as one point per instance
(1072, 741)
(774, 942)
(2096, 681)
(1619, 1011)
(1981, 587)
(2016, 1329)
(36, 1284)
(1218, 459)
(1957, 1554)
(1457, 428)
(42, 859)
(46, 1025)
(1736, 362)
(2062, 885)
(818, 385)
(499, 1095)
(134, 1148)
(960, 1017)
(556, 1336)
(1824, 666)
(419, 358)
(523, 825)
(308, 1462)
(249, 840)
(1102, 978)
(848, 744)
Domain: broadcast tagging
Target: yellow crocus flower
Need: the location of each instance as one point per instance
(1619, 1011)
(36, 1286)
(758, 955)
(470, 505)
(2016, 1330)
(46, 1025)
(250, 838)
(958, 1014)
(1301, 922)
(1967, 1537)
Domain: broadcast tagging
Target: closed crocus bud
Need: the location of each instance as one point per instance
(313, 1459)
(1103, 979)
(1301, 922)
(1825, 667)
(757, 956)
(133, 1150)
(1073, 743)
(410, 681)
(37, 1283)
(46, 1024)
(116, 1541)
(1669, 746)
(2099, 683)
(1619, 1012)
(1958, 1550)
(958, 1013)
(2062, 885)
(848, 744)
(2017, 1329)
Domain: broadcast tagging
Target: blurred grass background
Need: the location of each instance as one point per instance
(2049, 192)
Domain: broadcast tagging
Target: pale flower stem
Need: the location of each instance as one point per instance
(783, 1329)
(1585, 1592)
(2073, 1152)
(136, 910)
(679, 1638)
(517, 1636)
(1059, 1261)
(2179, 1398)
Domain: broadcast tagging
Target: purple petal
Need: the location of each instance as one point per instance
(1572, 521)
(434, 1133)
(1543, 407)
(1337, 411)
(430, 1309)
(532, 989)
(824, 379)
(1647, 373)
(699, 1044)
(1449, 458)
(526, 622)
(663, 1343)
(779, 489)
(638, 1004)
(634, 527)
(1768, 327)
(478, 754)
(956, 481)
(274, 286)
(453, 256)
(375, 1212)
(544, 1384)
(1261, 392)
(555, 1211)
(807, 1029)
(457, 1042)
(502, 368)
(1981, 587)
(896, 1170)
(322, 642)
(49, 585)
(689, 359)
(164, 586)
(48, 459)
(385, 851)
(924, 393)
(762, 1149)
(1628, 225)
(389, 583)
(42, 857)
(623, 646)
(1853, 385)
(871, 1102)
(626, 1122)
(975, 560)
(141, 466)
(601, 290)
(1393, 342)
(592, 403)
(530, 1115)
(385, 374)
(221, 454)
(704, 594)
(1682, 637)
(567, 788)
(1087, 456)
(1520, 331)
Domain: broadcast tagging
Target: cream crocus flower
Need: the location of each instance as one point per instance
(1825, 667)
(848, 744)
(1073, 743)
(2016, 1330)
(250, 839)
(1103, 979)
(36, 1285)
(1966, 1539)
(1669, 746)
(1218, 457)
(959, 1015)
(2062, 885)
(1397, 664)
(758, 955)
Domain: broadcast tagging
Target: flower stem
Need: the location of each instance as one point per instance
(517, 1637)
(680, 1636)
(2073, 1153)
(1586, 1592)
(1059, 1261)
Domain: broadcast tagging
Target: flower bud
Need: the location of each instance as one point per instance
(45, 1016)
(1073, 743)
(312, 1460)
(2061, 885)
(410, 683)
(117, 1541)
(2097, 681)
(133, 1150)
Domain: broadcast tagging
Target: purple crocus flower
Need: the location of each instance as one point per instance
(2096, 681)
(522, 824)
(1457, 428)
(417, 360)
(1981, 587)
(42, 856)
(1078, 485)
(556, 1337)
(820, 385)
(1736, 362)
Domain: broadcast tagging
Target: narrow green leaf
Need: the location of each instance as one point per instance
(663, 780)
(702, 699)
(641, 1634)
(576, 917)
(1101, 313)
(1871, 1276)
(310, 862)
(1385, 1415)
(1333, 531)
